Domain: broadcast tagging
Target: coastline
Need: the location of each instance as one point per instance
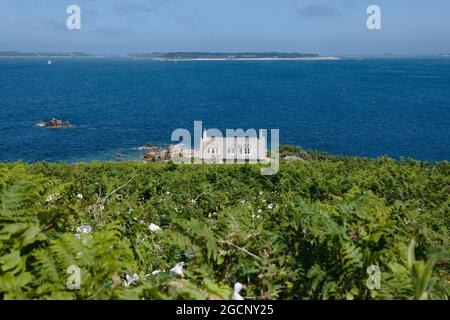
(176, 60)
(239, 59)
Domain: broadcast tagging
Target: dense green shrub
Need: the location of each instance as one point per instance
(309, 232)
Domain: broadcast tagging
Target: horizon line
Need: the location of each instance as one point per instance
(68, 52)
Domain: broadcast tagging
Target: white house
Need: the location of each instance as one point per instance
(240, 148)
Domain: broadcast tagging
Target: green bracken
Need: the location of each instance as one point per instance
(309, 232)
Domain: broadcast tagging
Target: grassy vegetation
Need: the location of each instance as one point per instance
(309, 232)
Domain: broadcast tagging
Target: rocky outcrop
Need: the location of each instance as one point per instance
(159, 154)
(293, 158)
(155, 154)
(53, 123)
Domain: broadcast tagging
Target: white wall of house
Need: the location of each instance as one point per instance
(219, 149)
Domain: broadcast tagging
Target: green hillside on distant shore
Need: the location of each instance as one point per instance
(43, 54)
(222, 55)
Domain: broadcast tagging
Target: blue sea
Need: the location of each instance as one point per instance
(359, 107)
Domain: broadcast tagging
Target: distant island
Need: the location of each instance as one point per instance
(14, 54)
(190, 56)
(180, 56)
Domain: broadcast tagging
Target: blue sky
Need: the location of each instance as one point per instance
(319, 26)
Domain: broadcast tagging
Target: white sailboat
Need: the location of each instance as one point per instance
(49, 61)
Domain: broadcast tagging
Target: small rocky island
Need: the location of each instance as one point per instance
(53, 123)
(158, 154)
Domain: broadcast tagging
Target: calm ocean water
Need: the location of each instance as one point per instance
(372, 107)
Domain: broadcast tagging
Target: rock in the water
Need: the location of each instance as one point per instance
(54, 123)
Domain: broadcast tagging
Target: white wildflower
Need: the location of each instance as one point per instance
(236, 291)
(130, 279)
(154, 228)
(84, 229)
(259, 210)
(177, 270)
(154, 273)
(242, 201)
(52, 197)
(270, 206)
(80, 196)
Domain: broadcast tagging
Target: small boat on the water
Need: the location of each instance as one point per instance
(49, 61)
